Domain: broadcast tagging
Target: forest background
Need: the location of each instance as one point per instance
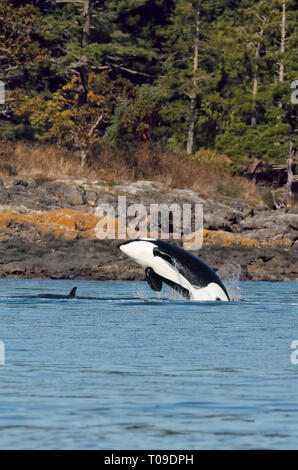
(147, 88)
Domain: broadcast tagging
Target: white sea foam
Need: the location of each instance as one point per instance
(229, 274)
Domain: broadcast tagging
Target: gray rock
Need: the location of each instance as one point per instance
(270, 220)
(64, 193)
(91, 198)
(73, 197)
(19, 182)
(213, 222)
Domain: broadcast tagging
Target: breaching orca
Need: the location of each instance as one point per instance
(71, 295)
(179, 269)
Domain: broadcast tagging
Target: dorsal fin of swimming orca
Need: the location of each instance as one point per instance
(153, 279)
(72, 293)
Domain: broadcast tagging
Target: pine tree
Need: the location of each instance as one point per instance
(261, 125)
(187, 72)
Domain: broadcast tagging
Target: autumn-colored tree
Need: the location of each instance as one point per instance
(21, 59)
(62, 119)
(18, 49)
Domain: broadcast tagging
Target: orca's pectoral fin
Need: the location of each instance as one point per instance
(72, 293)
(163, 255)
(153, 280)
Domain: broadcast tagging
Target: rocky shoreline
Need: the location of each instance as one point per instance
(47, 230)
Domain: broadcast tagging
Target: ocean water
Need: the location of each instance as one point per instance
(125, 368)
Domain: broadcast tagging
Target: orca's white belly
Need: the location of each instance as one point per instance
(211, 292)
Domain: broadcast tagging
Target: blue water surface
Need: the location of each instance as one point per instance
(132, 369)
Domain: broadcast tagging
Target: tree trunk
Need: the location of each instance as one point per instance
(255, 81)
(84, 151)
(83, 69)
(86, 25)
(191, 129)
(282, 42)
(290, 170)
(193, 97)
(282, 46)
(255, 87)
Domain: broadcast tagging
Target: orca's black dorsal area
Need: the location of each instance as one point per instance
(72, 293)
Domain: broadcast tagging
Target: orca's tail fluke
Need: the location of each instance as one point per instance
(72, 293)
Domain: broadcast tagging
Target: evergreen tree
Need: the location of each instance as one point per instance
(189, 70)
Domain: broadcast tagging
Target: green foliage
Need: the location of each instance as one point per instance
(17, 27)
(135, 115)
(138, 58)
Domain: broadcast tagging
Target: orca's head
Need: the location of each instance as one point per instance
(140, 250)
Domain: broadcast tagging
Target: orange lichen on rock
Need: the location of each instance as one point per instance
(63, 223)
(70, 224)
(64, 218)
(7, 217)
(222, 238)
(282, 242)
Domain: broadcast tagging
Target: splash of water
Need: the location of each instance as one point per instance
(229, 274)
(141, 291)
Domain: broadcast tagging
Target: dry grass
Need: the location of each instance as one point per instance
(176, 169)
(47, 161)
